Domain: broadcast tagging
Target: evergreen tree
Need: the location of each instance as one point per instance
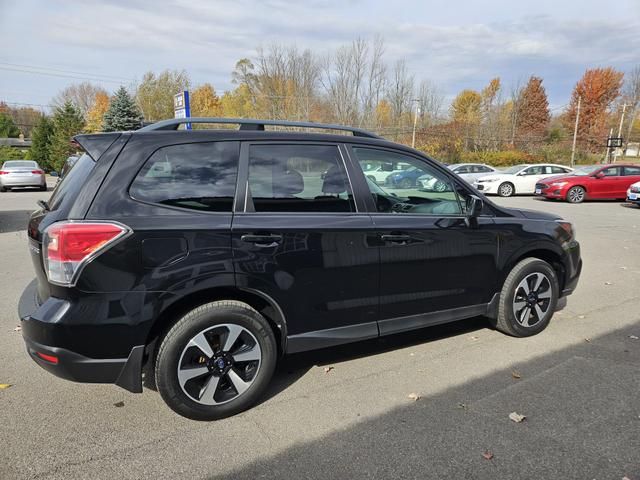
(41, 139)
(67, 122)
(123, 113)
(8, 128)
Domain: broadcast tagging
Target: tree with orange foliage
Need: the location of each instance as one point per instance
(96, 113)
(598, 88)
(532, 112)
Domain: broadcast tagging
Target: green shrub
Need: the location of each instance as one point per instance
(11, 153)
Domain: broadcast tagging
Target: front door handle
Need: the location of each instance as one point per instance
(395, 238)
(267, 240)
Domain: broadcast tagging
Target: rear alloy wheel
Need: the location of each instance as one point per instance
(528, 298)
(216, 361)
(576, 195)
(505, 189)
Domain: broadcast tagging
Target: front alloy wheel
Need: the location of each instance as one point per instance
(576, 195)
(528, 298)
(505, 189)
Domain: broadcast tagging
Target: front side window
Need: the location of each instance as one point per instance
(197, 176)
(299, 178)
(611, 172)
(419, 189)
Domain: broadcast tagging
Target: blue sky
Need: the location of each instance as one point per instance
(454, 44)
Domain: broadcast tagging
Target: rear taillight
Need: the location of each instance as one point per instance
(2, 172)
(37, 172)
(69, 246)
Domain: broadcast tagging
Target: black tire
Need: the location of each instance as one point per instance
(576, 194)
(506, 189)
(175, 345)
(506, 320)
(3, 189)
(43, 188)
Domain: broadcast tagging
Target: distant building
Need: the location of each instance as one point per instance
(19, 142)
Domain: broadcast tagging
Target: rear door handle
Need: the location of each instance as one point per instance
(268, 240)
(395, 238)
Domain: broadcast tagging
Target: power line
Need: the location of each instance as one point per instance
(114, 77)
(11, 69)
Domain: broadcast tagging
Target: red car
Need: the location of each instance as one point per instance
(590, 183)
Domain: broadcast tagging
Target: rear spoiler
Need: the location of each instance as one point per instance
(95, 144)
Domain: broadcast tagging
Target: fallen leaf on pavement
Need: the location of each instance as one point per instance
(623, 268)
(516, 374)
(411, 354)
(581, 316)
(633, 337)
(118, 404)
(487, 455)
(17, 329)
(625, 478)
(516, 417)
(474, 338)
(4, 386)
(414, 396)
(588, 340)
(327, 369)
(462, 406)
(608, 283)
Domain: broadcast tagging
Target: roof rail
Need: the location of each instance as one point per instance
(250, 124)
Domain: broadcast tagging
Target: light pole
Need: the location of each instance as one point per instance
(415, 122)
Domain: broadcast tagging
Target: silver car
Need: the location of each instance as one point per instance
(21, 173)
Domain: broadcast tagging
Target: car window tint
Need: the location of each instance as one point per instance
(611, 172)
(631, 171)
(419, 189)
(198, 176)
(298, 178)
(465, 169)
(537, 170)
(557, 170)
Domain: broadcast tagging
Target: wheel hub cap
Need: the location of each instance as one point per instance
(532, 299)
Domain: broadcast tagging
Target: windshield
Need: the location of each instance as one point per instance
(19, 164)
(514, 169)
(582, 171)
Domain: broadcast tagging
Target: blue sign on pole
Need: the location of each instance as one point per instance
(181, 106)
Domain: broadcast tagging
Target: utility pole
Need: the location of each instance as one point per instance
(415, 122)
(619, 150)
(575, 134)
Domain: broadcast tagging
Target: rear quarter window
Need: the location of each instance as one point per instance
(72, 182)
(196, 176)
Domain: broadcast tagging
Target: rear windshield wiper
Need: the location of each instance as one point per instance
(44, 205)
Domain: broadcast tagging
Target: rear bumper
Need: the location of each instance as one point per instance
(37, 323)
(27, 181)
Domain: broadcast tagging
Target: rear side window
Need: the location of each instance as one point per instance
(631, 171)
(197, 176)
(298, 178)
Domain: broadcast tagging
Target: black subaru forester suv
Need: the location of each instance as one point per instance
(195, 258)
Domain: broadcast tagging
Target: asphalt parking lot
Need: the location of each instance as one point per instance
(346, 412)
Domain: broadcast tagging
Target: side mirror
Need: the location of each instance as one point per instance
(599, 175)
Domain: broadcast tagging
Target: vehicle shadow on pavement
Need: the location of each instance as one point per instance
(582, 418)
(292, 367)
(14, 220)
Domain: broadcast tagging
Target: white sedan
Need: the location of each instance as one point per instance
(633, 193)
(519, 179)
(380, 174)
(471, 171)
